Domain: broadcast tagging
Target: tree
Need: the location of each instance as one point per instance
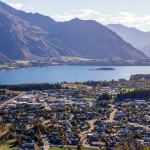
(79, 147)
(104, 96)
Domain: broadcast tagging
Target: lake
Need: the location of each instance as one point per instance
(55, 74)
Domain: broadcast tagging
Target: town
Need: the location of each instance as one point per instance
(91, 115)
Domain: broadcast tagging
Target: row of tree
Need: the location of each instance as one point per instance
(105, 96)
(136, 94)
(140, 76)
(100, 83)
(29, 87)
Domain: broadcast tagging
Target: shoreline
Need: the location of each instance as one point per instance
(97, 69)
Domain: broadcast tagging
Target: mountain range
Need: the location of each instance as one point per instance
(139, 39)
(28, 36)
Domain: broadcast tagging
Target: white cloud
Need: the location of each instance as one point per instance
(63, 17)
(82, 14)
(30, 7)
(126, 18)
(16, 5)
(90, 12)
(132, 20)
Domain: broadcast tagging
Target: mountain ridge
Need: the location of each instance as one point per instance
(139, 39)
(34, 36)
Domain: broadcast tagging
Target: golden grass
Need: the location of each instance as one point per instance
(8, 145)
(4, 130)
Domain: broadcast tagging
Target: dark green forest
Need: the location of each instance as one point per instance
(136, 94)
(29, 87)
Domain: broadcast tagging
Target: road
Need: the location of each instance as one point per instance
(46, 142)
(12, 99)
(83, 134)
(71, 117)
(138, 125)
(91, 104)
(46, 146)
(112, 115)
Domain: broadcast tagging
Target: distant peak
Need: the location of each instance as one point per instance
(76, 19)
(121, 26)
(81, 20)
(117, 24)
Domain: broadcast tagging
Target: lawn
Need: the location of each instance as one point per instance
(89, 99)
(115, 93)
(128, 89)
(8, 145)
(125, 90)
(58, 148)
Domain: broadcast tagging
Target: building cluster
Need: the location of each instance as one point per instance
(74, 115)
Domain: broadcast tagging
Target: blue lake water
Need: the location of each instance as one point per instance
(55, 74)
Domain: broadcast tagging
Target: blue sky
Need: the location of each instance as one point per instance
(132, 13)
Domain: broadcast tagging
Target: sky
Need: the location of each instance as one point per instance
(131, 13)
